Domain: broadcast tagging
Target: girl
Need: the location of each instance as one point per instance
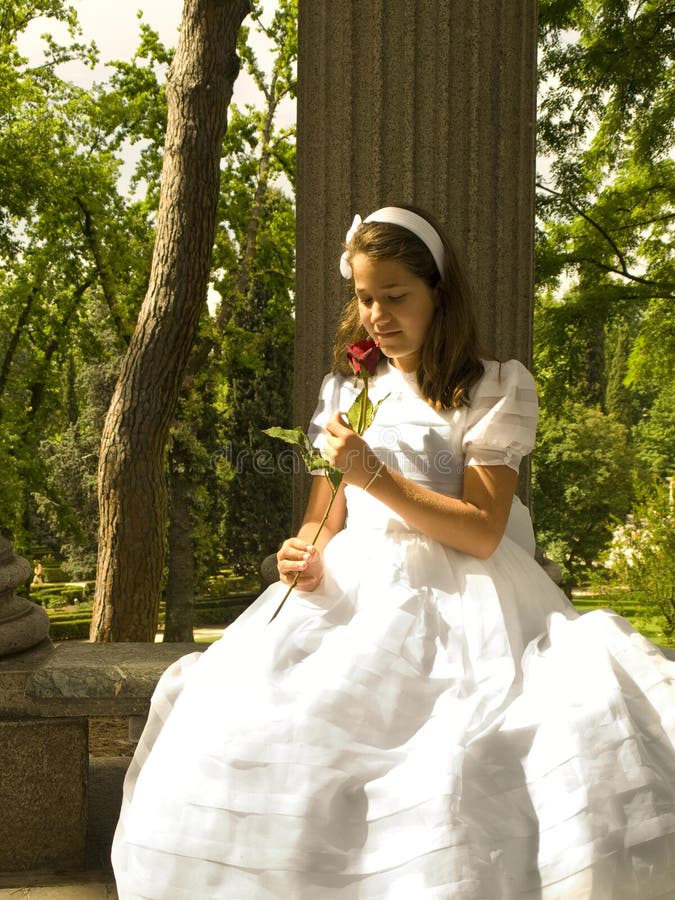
(427, 717)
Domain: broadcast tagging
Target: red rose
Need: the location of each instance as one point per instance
(364, 355)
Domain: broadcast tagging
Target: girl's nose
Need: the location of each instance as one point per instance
(376, 312)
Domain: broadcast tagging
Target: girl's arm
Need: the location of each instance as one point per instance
(297, 554)
(473, 524)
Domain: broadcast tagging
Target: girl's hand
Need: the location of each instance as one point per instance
(297, 556)
(348, 452)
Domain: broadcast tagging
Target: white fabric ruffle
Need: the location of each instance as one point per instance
(423, 725)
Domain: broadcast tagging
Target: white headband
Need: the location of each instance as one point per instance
(395, 215)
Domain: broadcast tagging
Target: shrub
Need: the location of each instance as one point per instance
(641, 558)
(73, 629)
(58, 602)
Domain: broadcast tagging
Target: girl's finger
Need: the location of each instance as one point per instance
(338, 424)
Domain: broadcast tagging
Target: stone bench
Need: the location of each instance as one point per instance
(59, 807)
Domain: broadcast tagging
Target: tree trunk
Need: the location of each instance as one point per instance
(103, 270)
(181, 571)
(58, 342)
(132, 488)
(18, 331)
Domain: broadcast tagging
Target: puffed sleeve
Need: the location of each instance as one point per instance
(327, 405)
(501, 420)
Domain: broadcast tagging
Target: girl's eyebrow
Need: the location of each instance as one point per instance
(383, 287)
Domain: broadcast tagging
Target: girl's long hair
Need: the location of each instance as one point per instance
(450, 358)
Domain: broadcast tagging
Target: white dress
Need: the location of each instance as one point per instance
(423, 726)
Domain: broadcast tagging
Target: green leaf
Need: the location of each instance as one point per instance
(376, 407)
(311, 457)
(297, 437)
(360, 413)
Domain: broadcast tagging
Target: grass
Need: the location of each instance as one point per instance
(649, 625)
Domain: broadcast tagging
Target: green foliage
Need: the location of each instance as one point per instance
(70, 630)
(67, 510)
(218, 617)
(56, 595)
(582, 480)
(73, 264)
(641, 558)
(193, 443)
(74, 624)
(608, 70)
(258, 391)
(254, 259)
(136, 106)
(605, 269)
(655, 436)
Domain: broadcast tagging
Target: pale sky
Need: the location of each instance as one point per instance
(114, 26)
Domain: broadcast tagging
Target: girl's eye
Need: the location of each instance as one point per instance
(389, 298)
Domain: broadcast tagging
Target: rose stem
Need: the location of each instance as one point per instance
(314, 540)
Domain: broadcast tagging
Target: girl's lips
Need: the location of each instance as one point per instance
(385, 334)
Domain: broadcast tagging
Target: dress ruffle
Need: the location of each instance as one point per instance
(423, 725)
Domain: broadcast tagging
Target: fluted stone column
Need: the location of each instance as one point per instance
(429, 102)
(425, 101)
(22, 624)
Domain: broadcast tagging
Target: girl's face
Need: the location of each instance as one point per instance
(395, 307)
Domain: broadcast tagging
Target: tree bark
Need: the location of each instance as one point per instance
(132, 488)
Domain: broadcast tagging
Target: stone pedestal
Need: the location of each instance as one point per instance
(43, 794)
(430, 102)
(58, 809)
(22, 624)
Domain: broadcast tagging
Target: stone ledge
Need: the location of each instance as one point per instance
(85, 679)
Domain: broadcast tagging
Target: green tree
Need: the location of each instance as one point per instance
(76, 262)
(605, 271)
(582, 483)
(258, 393)
(71, 250)
(67, 511)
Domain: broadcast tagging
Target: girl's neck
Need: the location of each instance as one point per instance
(406, 364)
